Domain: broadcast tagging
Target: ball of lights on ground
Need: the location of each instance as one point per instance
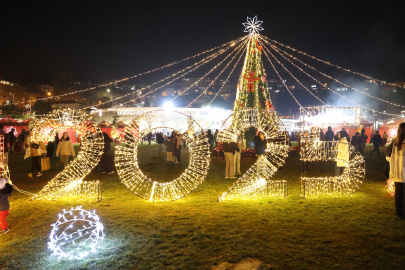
(76, 234)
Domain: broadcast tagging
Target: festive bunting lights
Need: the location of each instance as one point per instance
(76, 234)
(214, 80)
(330, 64)
(215, 67)
(329, 77)
(126, 158)
(256, 182)
(313, 78)
(69, 183)
(196, 66)
(230, 44)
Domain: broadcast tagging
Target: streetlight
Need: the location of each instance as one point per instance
(108, 90)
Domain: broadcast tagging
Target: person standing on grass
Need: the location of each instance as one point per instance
(210, 138)
(11, 139)
(385, 137)
(237, 155)
(170, 149)
(356, 141)
(397, 172)
(179, 139)
(364, 138)
(377, 142)
(229, 151)
(215, 137)
(36, 150)
(6, 190)
(329, 134)
(149, 137)
(65, 149)
(5, 141)
(261, 144)
(161, 141)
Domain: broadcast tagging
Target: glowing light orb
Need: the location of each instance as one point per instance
(76, 234)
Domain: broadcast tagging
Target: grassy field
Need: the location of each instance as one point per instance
(356, 232)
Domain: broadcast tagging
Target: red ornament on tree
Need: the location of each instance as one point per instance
(264, 79)
(259, 48)
(241, 104)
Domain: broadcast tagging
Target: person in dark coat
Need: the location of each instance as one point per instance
(261, 144)
(6, 190)
(229, 152)
(340, 134)
(107, 160)
(210, 138)
(356, 141)
(11, 139)
(364, 138)
(329, 135)
(377, 142)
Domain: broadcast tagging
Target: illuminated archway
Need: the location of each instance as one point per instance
(126, 158)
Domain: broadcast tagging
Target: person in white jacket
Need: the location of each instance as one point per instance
(397, 164)
(65, 149)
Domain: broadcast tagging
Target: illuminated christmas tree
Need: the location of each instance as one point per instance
(252, 87)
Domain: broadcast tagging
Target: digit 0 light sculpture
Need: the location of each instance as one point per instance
(256, 182)
(126, 158)
(343, 153)
(69, 183)
(76, 234)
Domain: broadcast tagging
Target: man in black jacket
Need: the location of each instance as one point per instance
(377, 141)
(356, 141)
(229, 151)
(329, 134)
(341, 134)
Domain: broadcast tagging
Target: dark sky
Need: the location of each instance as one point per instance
(115, 39)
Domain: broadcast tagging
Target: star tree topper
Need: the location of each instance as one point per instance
(253, 26)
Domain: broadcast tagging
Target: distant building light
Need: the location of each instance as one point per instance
(313, 86)
(276, 91)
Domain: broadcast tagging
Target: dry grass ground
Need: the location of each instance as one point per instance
(356, 232)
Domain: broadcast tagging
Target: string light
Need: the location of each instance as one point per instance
(219, 91)
(295, 78)
(197, 65)
(196, 82)
(281, 79)
(256, 182)
(312, 149)
(231, 43)
(336, 80)
(69, 183)
(76, 234)
(306, 73)
(126, 158)
(206, 89)
(330, 64)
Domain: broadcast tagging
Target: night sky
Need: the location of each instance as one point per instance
(116, 39)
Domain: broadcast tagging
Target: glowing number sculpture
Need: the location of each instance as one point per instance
(69, 183)
(256, 181)
(126, 158)
(75, 234)
(4, 172)
(345, 154)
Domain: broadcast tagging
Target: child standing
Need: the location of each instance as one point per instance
(6, 190)
(170, 149)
